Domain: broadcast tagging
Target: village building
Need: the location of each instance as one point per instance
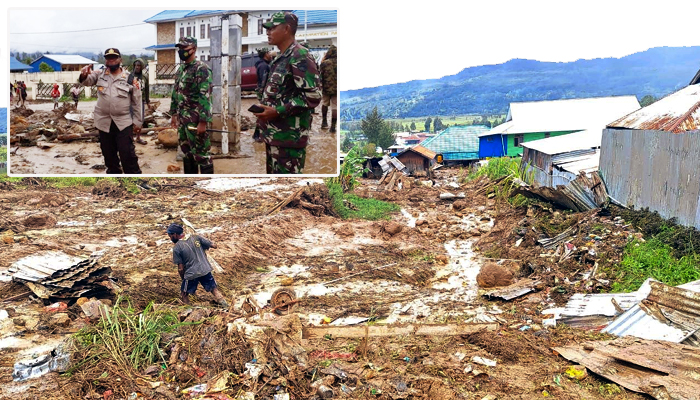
(61, 62)
(318, 27)
(417, 160)
(456, 144)
(535, 120)
(649, 158)
(18, 67)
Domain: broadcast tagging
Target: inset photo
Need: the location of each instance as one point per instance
(170, 92)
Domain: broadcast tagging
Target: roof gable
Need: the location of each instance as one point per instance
(455, 139)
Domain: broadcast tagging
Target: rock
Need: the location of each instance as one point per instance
(492, 275)
(420, 222)
(168, 138)
(392, 228)
(447, 196)
(197, 315)
(8, 239)
(442, 258)
(94, 309)
(60, 319)
(173, 168)
(82, 301)
(459, 205)
(427, 183)
(151, 243)
(40, 220)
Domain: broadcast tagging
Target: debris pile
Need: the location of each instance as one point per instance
(57, 275)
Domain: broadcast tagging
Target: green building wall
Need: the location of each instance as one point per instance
(529, 137)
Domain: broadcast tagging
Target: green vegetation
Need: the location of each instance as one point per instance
(349, 205)
(130, 184)
(498, 168)
(125, 339)
(352, 206)
(44, 67)
(507, 171)
(654, 259)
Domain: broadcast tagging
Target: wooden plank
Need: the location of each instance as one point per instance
(317, 332)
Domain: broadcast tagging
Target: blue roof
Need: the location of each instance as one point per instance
(161, 46)
(456, 142)
(3, 120)
(15, 65)
(172, 15)
(317, 16)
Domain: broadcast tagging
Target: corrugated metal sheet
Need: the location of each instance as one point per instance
(564, 115)
(587, 139)
(654, 169)
(668, 313)
(42, 265)
(456, 142)
(69, 59)
(677, 112)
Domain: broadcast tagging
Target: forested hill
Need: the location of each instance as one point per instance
(489, 89)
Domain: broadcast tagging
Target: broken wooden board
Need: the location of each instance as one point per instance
(519, 288)
(660, 369)
(314, 332)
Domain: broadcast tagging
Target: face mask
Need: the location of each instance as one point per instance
(174, 239)
(184, 54)
(113, 68)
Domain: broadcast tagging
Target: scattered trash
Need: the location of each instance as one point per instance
(56, 307)
(57, 360)
(195, 391)
(576, 372)
(484, 361)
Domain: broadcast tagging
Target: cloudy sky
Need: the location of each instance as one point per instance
(72, 30)
(383, 42)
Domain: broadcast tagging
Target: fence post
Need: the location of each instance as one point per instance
(225, 51)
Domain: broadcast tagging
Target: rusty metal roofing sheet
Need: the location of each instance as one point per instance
(423, 151)
(520, 288)
(42, 265)
(677, 112)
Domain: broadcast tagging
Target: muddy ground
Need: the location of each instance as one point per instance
(85, 157)
(422, 267)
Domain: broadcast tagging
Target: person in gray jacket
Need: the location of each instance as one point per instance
(116, 95)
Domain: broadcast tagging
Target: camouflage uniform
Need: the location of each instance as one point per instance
(293, 89)
(329, 79)
(191, 103)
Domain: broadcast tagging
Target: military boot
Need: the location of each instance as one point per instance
(189, 166)
(324, 112)
(206, 169)
(334, 119)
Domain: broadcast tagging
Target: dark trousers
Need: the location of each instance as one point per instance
(117, 145)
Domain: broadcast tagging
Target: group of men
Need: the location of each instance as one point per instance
(19, 89)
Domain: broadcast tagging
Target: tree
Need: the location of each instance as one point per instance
(438, 125)
(372, 126)
(427, 124)
(44, 67)
(647, 100)
(347, 144)
(369, 150)
(385, 138)
(413, 126)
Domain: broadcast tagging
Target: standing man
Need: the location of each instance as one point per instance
(23, 92)
(75, 94)
(55, 95)
(137, 74)
(262, 69)
(190, 107)
(329, 80)
(292, 91)
(115, 98)
(192, 264)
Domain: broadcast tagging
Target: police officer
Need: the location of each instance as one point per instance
(115, 95)
(191, 107)
(291, 92)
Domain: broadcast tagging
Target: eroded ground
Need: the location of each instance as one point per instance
(420, 267)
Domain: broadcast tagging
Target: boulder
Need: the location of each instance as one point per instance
(493, 275)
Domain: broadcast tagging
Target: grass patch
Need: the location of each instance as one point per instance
(496, 168)
(130, 184)
(654, 259)
(124, 341)
(348, 205)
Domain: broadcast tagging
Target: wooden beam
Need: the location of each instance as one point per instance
(317, 332)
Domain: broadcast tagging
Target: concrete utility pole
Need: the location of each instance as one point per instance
(225, 48)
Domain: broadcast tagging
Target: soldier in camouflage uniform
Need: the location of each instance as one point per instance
(292, 91)
(191, 108)
(329, 78)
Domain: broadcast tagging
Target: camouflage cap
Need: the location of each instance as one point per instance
(112, 52)
(186, 41)
(280, 18)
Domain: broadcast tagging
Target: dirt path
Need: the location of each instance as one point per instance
(83, 157)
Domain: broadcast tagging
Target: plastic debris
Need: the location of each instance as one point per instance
(57, 360)
(484, 361)
(56, 307)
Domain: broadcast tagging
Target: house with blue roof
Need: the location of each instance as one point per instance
(16, 66)
(318, 27)
(61, 62)
(456, 144)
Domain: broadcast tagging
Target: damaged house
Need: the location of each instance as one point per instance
(649, 158)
